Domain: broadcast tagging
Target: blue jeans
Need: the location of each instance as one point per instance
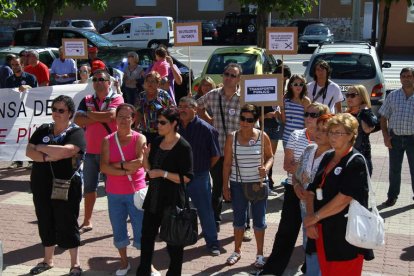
(400, 144)
(119, 208)
(91, 172)
(199, 190)
(240, 207)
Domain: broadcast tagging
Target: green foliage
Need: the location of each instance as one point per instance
(285, 8)
(8, 10)
(60, 5)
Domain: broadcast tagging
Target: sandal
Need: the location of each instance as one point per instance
(259, 263)
(75, 271)
(84, 229)
(39, 268)
(234, 258)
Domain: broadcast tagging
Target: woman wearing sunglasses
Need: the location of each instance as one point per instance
(359, 105)
(169, 163)
(57, 150)
(243, 164)
(294, 104)
(84, 72)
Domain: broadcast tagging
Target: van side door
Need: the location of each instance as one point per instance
(121, 35)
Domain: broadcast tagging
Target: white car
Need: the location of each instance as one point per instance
(78, 23)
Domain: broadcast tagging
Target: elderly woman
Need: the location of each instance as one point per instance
(133, 74)
(148, 103)
(57, 149)
(336, 183)
(243, 166)
(121, 162)
(169, 163)
(359, 105)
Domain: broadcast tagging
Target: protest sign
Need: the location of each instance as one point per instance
(75, 48)
(261, 90)
(187, 34)
(282, 40)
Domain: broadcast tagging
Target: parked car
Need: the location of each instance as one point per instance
(209, 32)
(313, 35)
(113, 22)
(46, 54)
(85, 24)
(352, 63)
(253, 60)
(6, 35)
(301, 25)
(29, 36)
(238, 28)
(28, 24)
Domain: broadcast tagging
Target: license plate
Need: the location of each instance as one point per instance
(239, 31)
(313, 45)
(344, 88)
(208, 38)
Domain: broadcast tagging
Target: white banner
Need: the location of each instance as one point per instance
(22, 113)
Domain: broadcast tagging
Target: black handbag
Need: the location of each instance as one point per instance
(179, 227)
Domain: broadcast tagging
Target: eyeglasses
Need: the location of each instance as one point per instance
(83, 71)
(312, 115)
(227, 74)
(300, 84)
(249, 120)
(351, 95)
(330, 133)
(98, 79)
(59, 110)
(151, 81)
(161, 122)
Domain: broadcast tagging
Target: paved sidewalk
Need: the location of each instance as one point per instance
(22, 248)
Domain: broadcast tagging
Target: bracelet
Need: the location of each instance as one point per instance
(122, 165)
(165, 174)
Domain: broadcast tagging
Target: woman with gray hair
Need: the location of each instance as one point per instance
(133, 74)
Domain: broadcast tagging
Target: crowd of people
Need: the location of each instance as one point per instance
(211, 144)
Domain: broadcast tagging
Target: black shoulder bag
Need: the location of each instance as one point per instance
(179, 227)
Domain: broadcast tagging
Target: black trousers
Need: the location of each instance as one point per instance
(57, 219)
(150, 225)
(286, 236)
(217, 190)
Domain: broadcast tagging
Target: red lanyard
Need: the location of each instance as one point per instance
(333, 164)
(307, 136)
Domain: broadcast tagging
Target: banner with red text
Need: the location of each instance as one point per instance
(22, 113)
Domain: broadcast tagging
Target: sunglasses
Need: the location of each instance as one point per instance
(98, 79)
(161, 122)
(351, 95)
(249, 120)
(312, 115)
(300, 84)
(59, 110)
(227, 74)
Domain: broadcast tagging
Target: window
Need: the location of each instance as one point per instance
(211, 5)
(123, 29)
(147, 3)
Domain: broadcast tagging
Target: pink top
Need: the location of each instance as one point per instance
(95, 132)
(161, 66)
(121, 184)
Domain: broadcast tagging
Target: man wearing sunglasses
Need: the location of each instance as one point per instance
(397, 126)
(96, 113)
(224, 104)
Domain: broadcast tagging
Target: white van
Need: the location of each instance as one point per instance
(143, 32)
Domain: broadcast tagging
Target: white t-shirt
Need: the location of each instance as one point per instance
(333, 94)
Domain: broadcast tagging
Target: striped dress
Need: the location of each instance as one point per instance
(294, 114)
(248, 159)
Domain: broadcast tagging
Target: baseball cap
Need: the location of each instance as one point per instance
(96, 65)
(92, 49)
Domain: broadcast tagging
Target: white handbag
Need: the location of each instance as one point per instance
(365, 228)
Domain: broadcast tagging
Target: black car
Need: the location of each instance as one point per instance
(209, 32)
(238, 28)
(6, 35)
(117, 58)
(302, 24)
(315, 35)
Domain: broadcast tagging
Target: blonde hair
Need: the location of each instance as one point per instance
(134, 55)
(204, 80)
(348, 121)
(322, 108)
(362, 91)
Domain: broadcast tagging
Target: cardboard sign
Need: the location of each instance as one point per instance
(75, 48)
(187, 34)
(282, 40)
(261, 90)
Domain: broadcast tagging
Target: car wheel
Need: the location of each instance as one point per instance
(153, 44)
(251, 28)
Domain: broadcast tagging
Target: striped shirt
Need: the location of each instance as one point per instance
(298, 141)
(248, 159)
(231, 112)
(295, 119)
(399, 110)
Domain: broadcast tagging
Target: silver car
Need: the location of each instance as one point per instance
(352, 63)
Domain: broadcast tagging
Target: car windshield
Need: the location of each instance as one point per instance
(348, 65)
(316, 30)
(82, 24)
(99, 40)
(219, 61)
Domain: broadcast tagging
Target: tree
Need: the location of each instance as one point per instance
(8, 10)
(49, 7)
(384, 31)
(285, 9)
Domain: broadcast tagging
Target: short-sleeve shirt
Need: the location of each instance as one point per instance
(161, 67)
(96, 132)
(25, 79)
(40, 71)
(67, 66)
(333, 94)
(131, 77)
(399, 110)
(231, 112)
(5, 72)
(297, 142)
(203, 139)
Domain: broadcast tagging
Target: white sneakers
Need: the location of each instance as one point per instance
(123, 272)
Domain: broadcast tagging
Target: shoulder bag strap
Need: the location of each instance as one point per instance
(222, 114)
(105, 125)
(235, 158)
(123, 159)
(187, 200)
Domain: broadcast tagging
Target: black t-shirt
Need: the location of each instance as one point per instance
(25, 79)
(349, 180)
(63, 168)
